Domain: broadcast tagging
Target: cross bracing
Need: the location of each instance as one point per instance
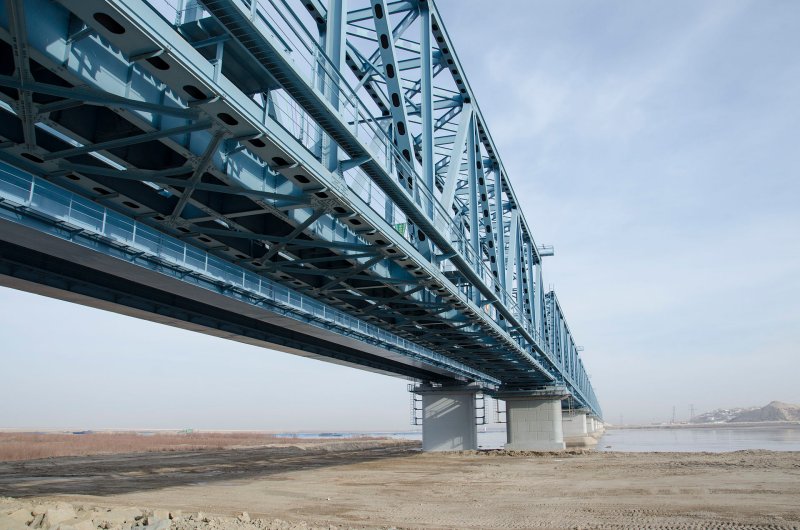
(334, 147)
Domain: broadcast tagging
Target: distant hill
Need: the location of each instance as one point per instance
(775, 411)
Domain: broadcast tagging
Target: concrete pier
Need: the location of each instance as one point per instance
(576, 427)
(448, 418)
(595, 427)
(533, 423)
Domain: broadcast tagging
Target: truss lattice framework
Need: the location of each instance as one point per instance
(337, 148)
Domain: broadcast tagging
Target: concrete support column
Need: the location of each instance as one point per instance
(448, 418)
(597, 427)
(574, 424)
(576, 430)
(533, 423)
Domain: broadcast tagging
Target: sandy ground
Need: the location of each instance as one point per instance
(385, 484)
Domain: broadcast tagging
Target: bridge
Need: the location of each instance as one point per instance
(315, 178)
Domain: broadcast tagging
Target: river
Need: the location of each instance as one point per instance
(683, 439)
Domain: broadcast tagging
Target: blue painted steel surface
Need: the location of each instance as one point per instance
(334, 153)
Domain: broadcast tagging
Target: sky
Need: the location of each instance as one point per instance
(657, 145)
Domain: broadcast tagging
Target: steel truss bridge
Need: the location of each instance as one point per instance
(317, 178)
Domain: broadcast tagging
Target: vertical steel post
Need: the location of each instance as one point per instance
(472, 170)
(335, 35)
(519, 257)
(531, 282)
(426, 94)
(513, 246)
(540, 302)
(499, 230)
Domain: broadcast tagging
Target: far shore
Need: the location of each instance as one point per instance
(736, 425)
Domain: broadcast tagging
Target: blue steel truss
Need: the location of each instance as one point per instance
(334, 150)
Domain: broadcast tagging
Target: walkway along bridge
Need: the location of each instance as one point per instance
(313, 178)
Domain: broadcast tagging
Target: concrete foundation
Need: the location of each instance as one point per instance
(448, 420)
(576, 430)
(534, 423)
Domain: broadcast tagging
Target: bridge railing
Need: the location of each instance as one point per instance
(76, 212)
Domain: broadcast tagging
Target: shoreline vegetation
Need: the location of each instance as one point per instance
(25, 446)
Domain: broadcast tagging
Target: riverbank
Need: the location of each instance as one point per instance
(381, 485)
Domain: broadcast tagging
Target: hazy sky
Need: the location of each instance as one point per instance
(657, 145)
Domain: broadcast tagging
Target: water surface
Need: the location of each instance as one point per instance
(685, 439)
(712, 439)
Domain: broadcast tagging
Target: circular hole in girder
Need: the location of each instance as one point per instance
(101, 191)
(194, 92)
(132, 205)
(280, 161)
(72, 177)
(109, 23)
(257, 142)
(32, 158)
(302, 179)
(158, 63)
(227, 118)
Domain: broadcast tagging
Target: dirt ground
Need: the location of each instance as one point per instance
(388, 484)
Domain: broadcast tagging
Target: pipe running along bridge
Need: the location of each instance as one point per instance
(316, 178)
